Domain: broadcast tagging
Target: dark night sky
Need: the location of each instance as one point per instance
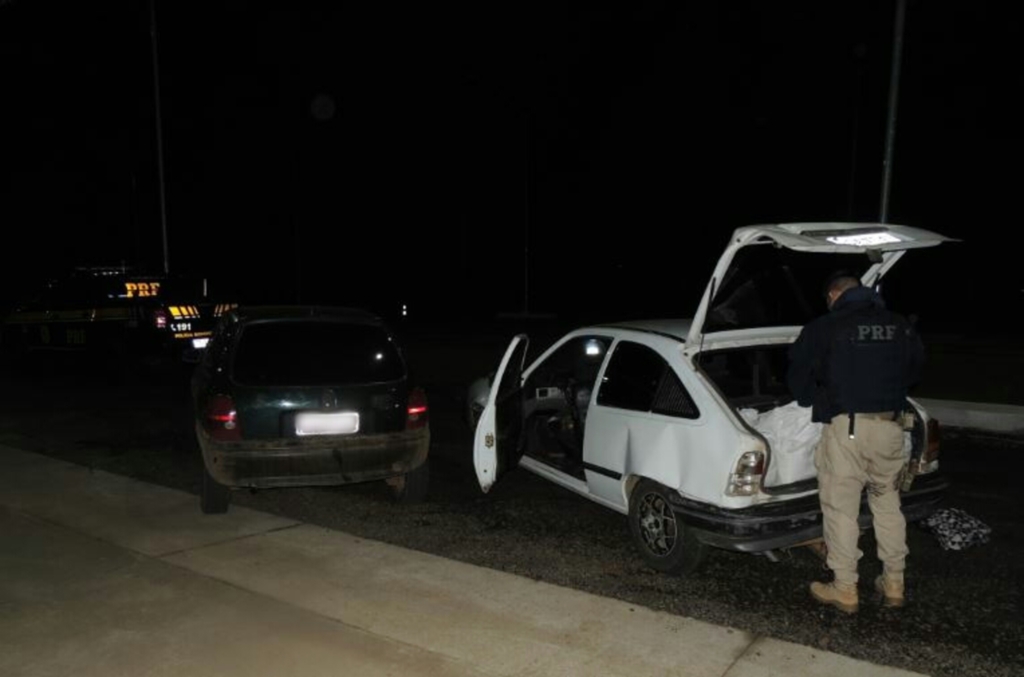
(385, 155)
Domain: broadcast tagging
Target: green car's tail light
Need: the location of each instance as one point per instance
(221, 419)
(417, 411)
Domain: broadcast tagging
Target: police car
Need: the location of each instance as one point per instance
(115, 312)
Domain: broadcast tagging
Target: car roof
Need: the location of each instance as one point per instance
(247, 313)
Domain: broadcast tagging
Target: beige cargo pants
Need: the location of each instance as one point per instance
(872, 460)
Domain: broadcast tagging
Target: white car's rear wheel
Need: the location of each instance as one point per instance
(664, 541)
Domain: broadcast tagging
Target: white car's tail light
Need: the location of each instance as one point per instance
(930, 456)
(746, 478)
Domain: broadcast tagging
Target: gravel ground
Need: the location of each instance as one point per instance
(963, 616)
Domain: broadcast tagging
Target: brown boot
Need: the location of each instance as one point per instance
(891, 590)
(842, 596)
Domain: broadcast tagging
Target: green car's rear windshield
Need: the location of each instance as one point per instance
(313, 353)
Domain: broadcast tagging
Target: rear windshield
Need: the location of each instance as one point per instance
(304, 352)
(768, 286)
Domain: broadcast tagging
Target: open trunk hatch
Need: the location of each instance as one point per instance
(771, 276)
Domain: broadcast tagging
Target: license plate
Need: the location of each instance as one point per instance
(335, 423)
(200, 343)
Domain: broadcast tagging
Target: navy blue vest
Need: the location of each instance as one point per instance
(870, 358)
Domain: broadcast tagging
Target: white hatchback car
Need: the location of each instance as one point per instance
(687, 426)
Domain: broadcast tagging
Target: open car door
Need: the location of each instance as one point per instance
(497, 444)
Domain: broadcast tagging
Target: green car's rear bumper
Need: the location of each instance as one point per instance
(314, 461)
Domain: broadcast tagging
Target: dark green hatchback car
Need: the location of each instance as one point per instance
(288, 396)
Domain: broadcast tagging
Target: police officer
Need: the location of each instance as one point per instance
(854, 366)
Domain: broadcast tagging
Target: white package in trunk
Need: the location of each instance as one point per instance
(792, 437)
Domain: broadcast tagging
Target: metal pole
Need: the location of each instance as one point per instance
(526, 216)
(851, 190)
(894, 87)
(159, 136)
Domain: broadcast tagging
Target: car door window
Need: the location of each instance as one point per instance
(639, 379)
(575, 363)
(67, 295)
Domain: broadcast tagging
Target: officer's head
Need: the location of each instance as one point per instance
(838, 283)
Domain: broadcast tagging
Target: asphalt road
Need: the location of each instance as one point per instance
(964, 607)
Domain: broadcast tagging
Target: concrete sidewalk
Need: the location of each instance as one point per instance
(102, 575)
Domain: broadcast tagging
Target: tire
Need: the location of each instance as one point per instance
(411, 487)
(664, 541)
(214, 497)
